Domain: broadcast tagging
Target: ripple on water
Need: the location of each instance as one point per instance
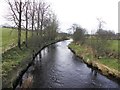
(61, 68)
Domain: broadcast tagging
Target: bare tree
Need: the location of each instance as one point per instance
(38, 17)
(26, 13)
(101, 42)
(32, 14)
(79, 34)
(43, 12)
(16, 8)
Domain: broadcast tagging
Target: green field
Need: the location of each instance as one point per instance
(114, 45)
(9, 38)
(86, 52)
(110, 62)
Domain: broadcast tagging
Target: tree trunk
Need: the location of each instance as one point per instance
(26, 43)
(19, 27)
(19, 38)
(42, 15)
(38, 22)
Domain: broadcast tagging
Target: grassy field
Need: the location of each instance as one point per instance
(114, 45)
(9, 38)
(87, 53)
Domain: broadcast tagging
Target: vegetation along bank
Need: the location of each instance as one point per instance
(99, 50)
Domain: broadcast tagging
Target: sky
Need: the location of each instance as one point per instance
(82, 12)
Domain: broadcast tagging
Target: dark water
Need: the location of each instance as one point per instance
(60, 68)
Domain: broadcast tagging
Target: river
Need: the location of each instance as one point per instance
(60, 68)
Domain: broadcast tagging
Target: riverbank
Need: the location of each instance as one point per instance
(16, 62)
(106, 66)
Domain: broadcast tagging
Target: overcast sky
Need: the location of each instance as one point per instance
(82, 12)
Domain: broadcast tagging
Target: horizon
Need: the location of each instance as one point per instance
(83, 13)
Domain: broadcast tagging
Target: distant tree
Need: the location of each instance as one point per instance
(51, 26)
(101, 41)
(118, 36)
(105, 34)
(79, 33)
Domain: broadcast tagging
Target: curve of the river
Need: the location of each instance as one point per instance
(60, 68)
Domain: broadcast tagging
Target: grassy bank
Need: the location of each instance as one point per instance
(14, 60)
(12, 57)
(111, 64)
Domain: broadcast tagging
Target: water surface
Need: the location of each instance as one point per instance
(60, 68)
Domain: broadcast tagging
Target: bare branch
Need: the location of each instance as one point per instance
(11, 6)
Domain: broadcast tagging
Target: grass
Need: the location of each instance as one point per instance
(9, 38)
(114, 45)
(77, 48)
(14, 59)
(82, 50)
(111, 62)
(86, 52)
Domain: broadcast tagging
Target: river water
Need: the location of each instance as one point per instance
(60, 68)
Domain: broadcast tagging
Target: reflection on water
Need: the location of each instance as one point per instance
(60, 68)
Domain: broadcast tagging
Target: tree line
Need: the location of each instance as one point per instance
(100, 41)
(35, 16)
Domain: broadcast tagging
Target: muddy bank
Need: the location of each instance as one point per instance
(101, 68)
